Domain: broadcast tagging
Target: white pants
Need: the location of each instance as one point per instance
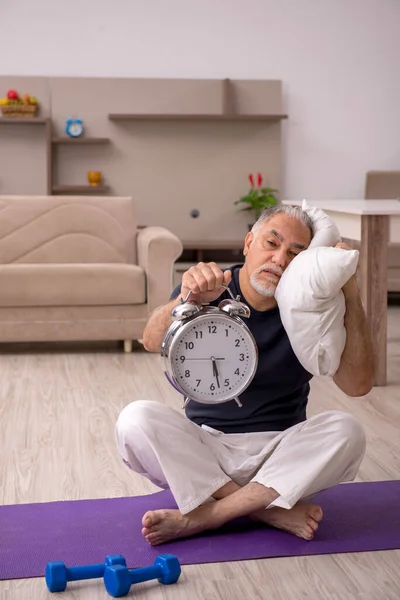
(194, 462)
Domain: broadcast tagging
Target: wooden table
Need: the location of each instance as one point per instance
(374, 223)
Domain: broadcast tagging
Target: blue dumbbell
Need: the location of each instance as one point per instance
(118, 579)
(58, 575)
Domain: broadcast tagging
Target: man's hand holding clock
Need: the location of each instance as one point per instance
(204, 281)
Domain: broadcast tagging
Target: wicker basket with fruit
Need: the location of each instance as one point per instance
(14, 106)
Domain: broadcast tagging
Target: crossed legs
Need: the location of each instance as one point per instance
(218, 477)
(161, 526)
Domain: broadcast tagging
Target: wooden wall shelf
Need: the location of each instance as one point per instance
(79, 189)
(186, 103)
(197, 117)
(50, 141)
(23, 121)
(80, 141)
(73, 189)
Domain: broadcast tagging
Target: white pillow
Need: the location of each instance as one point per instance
(326, 232)
(311, 302)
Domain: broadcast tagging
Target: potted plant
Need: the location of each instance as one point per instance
(258, 198)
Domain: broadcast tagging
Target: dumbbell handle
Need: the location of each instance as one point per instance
(145, 574)
(85, 572)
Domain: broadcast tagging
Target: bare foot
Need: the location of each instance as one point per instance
(302, 519)
(161, 526)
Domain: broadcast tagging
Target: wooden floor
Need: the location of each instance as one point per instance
(58, 407)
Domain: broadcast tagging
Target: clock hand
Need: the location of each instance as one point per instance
(215, 369)
(196, 358)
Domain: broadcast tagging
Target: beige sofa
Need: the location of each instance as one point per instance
(78, 268)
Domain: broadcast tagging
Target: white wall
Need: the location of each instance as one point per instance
(339, 61)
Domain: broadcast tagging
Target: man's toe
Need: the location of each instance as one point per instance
(309, 533)
(153, 539)
(149, 519)
(317, 514)
(313, 524)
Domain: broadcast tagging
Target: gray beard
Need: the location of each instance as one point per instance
(264, 288)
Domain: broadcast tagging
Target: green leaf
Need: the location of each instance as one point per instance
(269, 191)
(258, 199)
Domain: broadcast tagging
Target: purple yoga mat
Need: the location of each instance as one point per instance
(357, 517)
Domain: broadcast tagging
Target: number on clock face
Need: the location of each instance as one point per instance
(213, 358)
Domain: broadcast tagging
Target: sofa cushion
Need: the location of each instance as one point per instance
(67, 229)
(71, 285)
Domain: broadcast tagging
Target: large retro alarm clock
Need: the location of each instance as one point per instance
(209, 353)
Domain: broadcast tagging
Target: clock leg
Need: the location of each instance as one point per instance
(238, 402)
(187, 400)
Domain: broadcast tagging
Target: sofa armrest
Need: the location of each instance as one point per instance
(158, 248)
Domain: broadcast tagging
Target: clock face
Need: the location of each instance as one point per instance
(213, 358)
(75, 129)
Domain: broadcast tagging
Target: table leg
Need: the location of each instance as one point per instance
(373, 273)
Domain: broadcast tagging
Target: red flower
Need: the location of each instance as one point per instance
(259, 180)
(251, 179)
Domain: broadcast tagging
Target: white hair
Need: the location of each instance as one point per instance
(293, 211)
